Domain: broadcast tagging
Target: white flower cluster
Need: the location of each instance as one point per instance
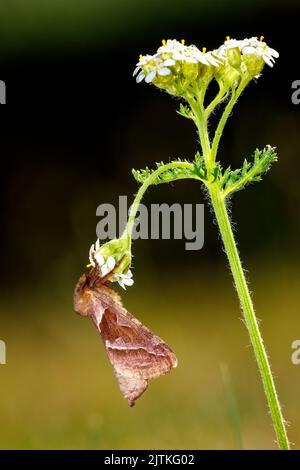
(155, 64)
(107, 265)
(251, 46)
(173, 53)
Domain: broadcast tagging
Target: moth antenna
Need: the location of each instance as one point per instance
(93, 276)
(103, 280)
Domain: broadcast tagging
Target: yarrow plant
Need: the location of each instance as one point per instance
(186, 72)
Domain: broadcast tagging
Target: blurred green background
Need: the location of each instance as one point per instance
(75, 125)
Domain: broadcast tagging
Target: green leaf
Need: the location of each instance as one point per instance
(234, 180)
(199, 167)
(185, 111)
(170, 174)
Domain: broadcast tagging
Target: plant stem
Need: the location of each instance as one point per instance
(235, 94)
(201, 124)
(204, 139)
(219, 206)
(216, 101)
(149, 181)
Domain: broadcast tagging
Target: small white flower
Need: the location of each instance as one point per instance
(154, 64)
(171, 46)
(253, 46)
(261, 49)
(108, 266)
(124, 279)
(233, 43)
(144, 59)
(191, 55)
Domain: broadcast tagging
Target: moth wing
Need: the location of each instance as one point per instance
(136, 354)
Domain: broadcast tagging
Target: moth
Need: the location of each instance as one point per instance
(136, 354)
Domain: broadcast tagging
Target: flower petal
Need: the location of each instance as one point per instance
(104, 270)
(140, 77)
(273, 53)
(136, 71)
(169, 62)
(164, 71)
(150, 76)
(249, 50)
(206, 60)
(111, 262)
(212, 60)
(91, 255)
(99, 258)
(268, 60)
(120, 282)
(128, 281)
(178, 56)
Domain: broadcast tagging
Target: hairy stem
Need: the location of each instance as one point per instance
(149, 181)
(201, 124)
(218, 203)
(219, 206)
(235, 94)
(222, 93)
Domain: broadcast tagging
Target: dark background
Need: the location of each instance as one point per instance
(74, 126)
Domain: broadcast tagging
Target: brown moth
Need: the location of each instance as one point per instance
(136, 354)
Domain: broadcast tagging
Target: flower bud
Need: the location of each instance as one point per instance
(234, 57)
(190, 71)
(228, 76)
(254, 64)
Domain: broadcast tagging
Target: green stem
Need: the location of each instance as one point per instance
(218, 203)
(201, 123)
(235, 94)
(216, 101)
(143, 188)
